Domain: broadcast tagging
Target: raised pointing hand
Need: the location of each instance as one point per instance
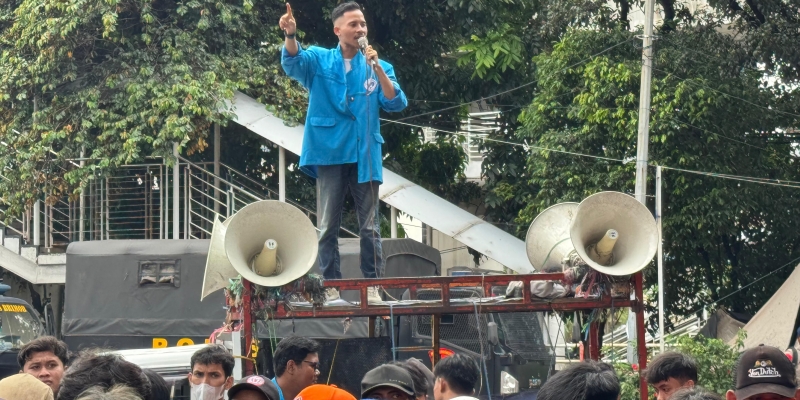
(287, 22)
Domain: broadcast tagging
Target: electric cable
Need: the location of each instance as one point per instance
(746, 286)
(694, 82)
(767, 181)
(520, 86)
(483, 356)
(526, 146)
(721, 135)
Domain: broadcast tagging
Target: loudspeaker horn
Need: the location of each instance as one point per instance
(548, 241)
(614, 234)
(218, 268)
(269, 243)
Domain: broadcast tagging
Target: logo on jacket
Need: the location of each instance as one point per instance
(370, 85)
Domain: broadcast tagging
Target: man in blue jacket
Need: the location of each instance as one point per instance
(342, 141)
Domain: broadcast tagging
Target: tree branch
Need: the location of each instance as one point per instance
(708, 277)
(734, 6)
(752, 4)
(624, 9)
(669, 15)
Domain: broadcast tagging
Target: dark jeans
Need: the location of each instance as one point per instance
(332, 184)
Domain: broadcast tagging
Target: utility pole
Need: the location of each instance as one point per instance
(660, 262)
(643, 140)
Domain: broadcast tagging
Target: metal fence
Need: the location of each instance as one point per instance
(138, 202)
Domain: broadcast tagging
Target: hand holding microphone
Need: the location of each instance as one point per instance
(369, 52)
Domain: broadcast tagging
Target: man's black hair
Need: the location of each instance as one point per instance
(103, 370)
(44, 343)
(417, 377)
(671, 364)
(460, 372)
(590, 380)
(159, 390)
(339, 11)
(694, 393)
(214, 354)
(294, 348)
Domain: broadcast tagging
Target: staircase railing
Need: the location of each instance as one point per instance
(208, 194)
(137, 203)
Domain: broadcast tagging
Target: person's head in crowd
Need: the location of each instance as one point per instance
(324, 392)
(103, 370)
(764, 373)
(45, 358)
(669, 372)
(418, 364)
(694, 393)
(159, 390)
(455, 376)
(417, 378)
(423, 378)
(589, 380)
(24, 387)
(254, 387)
(296, 363)
(388, 382)
(117, 392)
(211, 372)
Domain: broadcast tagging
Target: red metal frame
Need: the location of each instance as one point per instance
(445, 306)
(640, 342)
(247, 317)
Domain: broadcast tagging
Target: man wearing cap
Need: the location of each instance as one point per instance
(254, 387)
(764, 373)
(387, 382)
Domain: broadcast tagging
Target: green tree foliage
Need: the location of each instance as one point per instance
(121, 80)
(116, 81)
(719, 234)
(717, 106)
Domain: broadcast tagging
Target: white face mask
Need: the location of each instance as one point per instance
(205, 391)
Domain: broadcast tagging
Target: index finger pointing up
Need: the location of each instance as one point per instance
(289, 10)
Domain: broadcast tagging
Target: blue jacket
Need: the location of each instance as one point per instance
(342, 108)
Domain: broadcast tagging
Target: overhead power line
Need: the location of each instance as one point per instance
(518, 87)
(694, 82)
(742, 178)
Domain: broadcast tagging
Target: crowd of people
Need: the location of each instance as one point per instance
(761, 373)
(48, 372)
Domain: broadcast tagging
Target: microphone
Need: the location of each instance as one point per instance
(363, 43)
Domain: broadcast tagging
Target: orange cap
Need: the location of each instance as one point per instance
(324, 392)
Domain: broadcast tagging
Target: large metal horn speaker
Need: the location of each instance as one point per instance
(614, 234)
(270, 243)
(218, 268)
(548, 241)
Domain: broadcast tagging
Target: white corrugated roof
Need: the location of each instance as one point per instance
(401, 194)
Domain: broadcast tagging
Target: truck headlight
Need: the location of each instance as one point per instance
(508, 384)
